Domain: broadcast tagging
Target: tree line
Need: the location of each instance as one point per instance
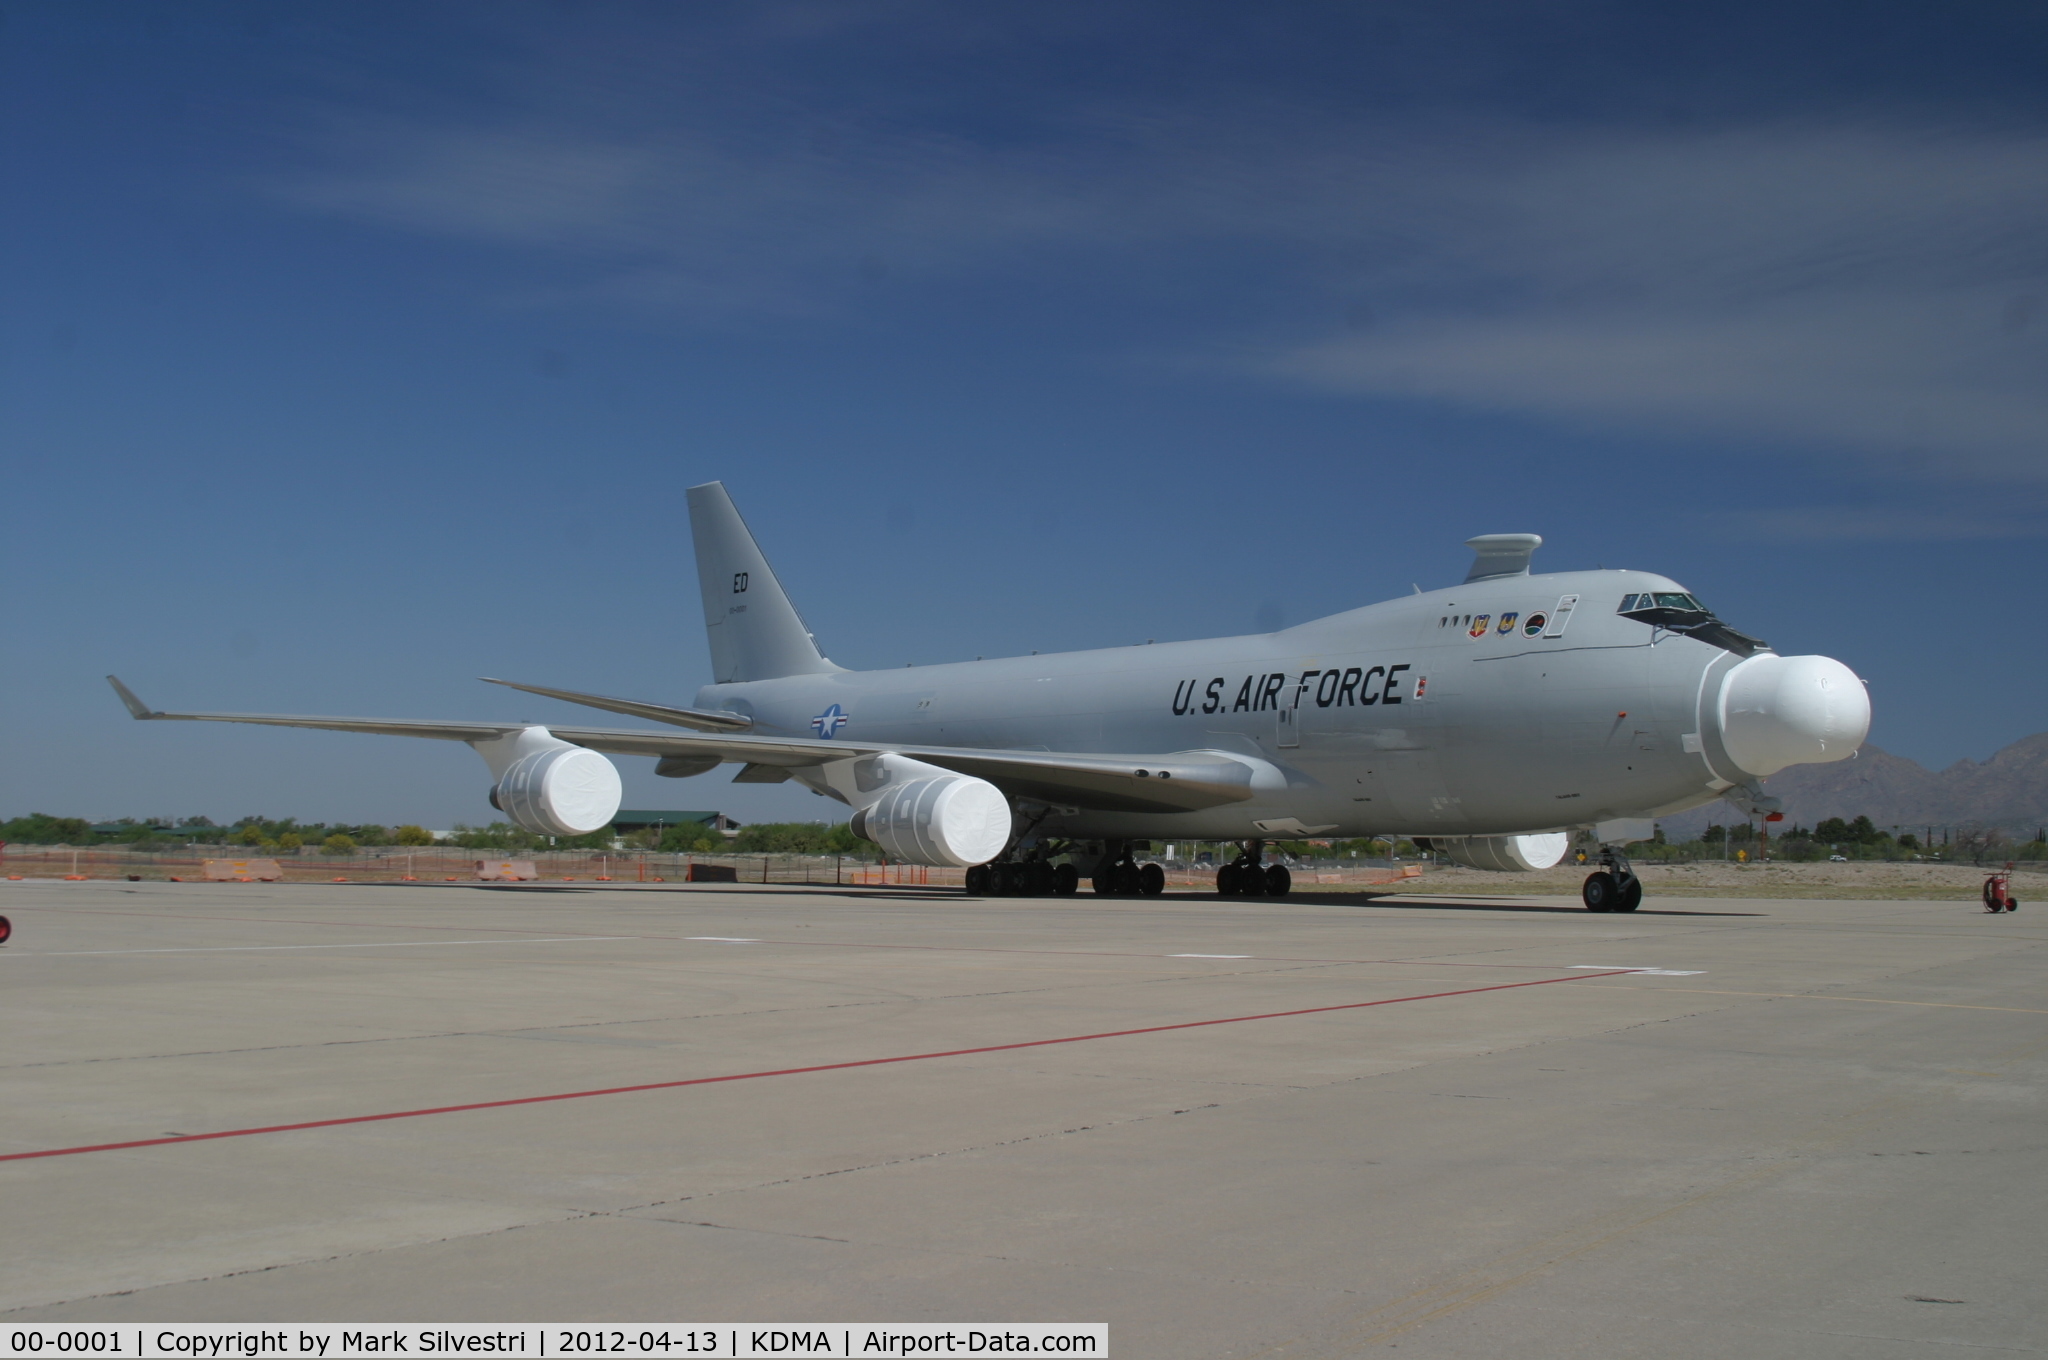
(1856, 838)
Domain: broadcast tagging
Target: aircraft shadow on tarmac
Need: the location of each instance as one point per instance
(1348, 899)
(1440, 904)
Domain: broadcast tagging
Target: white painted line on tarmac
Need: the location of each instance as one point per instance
(719, 939)
(1210, 956)
(1647, 972)
(247, 948)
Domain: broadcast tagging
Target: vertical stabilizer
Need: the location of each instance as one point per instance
(755, 632)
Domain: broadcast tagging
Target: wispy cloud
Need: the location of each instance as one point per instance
(1988, 520)
(1866, 289)
(1871, 289)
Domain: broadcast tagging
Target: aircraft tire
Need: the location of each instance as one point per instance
(1066, 880)
(1226, 880)
(1278, 880)
(1127, 879)
(1151, 880)
(1038, 878)
(977, 881)
(1251, 880)
(1631, 895)
(1104, 882)
(1599, 891)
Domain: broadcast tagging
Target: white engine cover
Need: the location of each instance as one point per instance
(954, 820)
(1505, 854)
(566, 791)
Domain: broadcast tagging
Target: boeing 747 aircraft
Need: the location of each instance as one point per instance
(1489, 721)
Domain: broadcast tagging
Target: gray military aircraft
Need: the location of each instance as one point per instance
(1489, 722)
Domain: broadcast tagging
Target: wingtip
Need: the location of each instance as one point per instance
(136, 708)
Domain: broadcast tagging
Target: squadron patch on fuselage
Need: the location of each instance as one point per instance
(1507, 623)
(1534, 626)
(1479, 622)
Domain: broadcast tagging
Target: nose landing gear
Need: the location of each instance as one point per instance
(1615, 887)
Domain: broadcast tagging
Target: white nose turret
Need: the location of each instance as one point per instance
(1792, 710)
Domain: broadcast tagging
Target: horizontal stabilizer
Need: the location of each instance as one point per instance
(700, 719)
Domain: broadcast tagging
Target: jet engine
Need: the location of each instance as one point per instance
(564, 791)
(953, 820)
(1503, 854)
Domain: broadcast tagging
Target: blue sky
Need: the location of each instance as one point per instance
(353, 351)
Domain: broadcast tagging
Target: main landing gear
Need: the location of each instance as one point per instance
(1030, 877)
(1032, 873)
(1245, 876)
(1615, 887)
(1117, 874)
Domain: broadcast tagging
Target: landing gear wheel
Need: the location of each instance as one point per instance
(1251, 880)
(978, 881)
(1039, 880)
(1600, 891)
(1226, 880)
(1278, 880)
(1151, 880)
(1066, 880)
(1127, 883)
(1104, 882)
(1631, 895)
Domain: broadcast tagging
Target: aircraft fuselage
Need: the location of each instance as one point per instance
(1409, 716)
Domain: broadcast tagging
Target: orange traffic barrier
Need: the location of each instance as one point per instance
(241, 870)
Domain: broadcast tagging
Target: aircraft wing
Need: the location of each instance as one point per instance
(1182, 782)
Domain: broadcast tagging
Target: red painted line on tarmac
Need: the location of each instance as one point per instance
(777, 1072)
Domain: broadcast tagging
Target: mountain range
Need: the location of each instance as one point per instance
(2009, 790)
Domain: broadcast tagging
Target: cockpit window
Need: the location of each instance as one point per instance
(1663, 599)
(1682, 613)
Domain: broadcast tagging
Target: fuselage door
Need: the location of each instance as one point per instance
(1287, 720)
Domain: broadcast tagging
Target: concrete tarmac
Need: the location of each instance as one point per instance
(1311, 1127)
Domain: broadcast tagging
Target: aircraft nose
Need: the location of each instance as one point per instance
(1792, 710)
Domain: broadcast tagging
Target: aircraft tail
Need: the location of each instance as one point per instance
(755, 632)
